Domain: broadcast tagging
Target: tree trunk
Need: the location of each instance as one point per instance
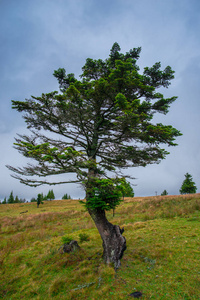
(114, 244)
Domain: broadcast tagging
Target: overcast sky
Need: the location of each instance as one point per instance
(40, 36)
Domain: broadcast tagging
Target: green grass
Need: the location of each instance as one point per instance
(162, 259)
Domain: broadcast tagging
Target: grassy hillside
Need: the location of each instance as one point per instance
(162, 259)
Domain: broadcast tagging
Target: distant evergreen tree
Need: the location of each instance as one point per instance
(188, 185)
(16, 200)
(164, 193)
(66, 196)
(45, 198)
(4, 201)
(23, 200)
(33, 200)
(50, 195)
(39, 199)
(11, 198)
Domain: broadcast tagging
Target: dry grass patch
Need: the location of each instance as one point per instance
(161, 260)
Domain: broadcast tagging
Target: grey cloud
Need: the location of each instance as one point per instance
(38, 37)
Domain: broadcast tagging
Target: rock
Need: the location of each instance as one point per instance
(136, 294)
(71, 247)
(23, 212)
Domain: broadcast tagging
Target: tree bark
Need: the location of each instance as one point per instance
(114, 244)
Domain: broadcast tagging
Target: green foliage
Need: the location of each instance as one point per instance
(188, 185)
(164, 193)
(84, 237)
(103, 123)
(125, 188)
(4, 201)
(39, 199)
(67, 239)
(11, 198)
(66, 196)
(50, 195)
(17, 200)
(107, 116)
(33, 200)
(23, 200)
(105, 194)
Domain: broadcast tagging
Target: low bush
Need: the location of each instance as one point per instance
(84, 237)
(67, 239)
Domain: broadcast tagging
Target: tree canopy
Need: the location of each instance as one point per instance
(103, 121)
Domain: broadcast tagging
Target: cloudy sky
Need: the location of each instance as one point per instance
(40, 36)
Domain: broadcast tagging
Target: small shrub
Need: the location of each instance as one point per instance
(67, 239)
(84, 237)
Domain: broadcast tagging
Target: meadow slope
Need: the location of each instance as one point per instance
(162, 259)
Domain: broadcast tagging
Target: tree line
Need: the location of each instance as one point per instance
(40, 197)
(188, 187)
(124, 188)
(12, 199)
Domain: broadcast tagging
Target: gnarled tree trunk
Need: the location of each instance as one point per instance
(114, 244)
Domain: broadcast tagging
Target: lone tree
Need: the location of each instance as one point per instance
(104, 123)
(164, 193)
(188, 185)
(11, 198)
(39, 200)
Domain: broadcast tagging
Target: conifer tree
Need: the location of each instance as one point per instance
(188, 185)
(164, 193)
(39, 200)
(66, 196)
(33, 199)
(4, 201)
(11, 198)
(104, 123)
(50, 195)
(16, 200)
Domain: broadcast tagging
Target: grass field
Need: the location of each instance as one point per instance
(162, 259)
